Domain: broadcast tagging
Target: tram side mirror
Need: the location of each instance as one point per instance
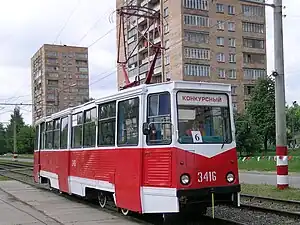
(146, 130)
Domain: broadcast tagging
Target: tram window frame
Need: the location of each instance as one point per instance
(42, 135)
(64, 132)
(107, 123)
(89, 127)
(78, 117)
(37, 135)
(56, 133)
(135, 141)
(49, 135)
(158, 115)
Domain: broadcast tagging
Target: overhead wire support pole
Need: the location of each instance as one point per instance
(280, 115)
(162, 30)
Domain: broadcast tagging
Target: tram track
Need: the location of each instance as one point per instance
(282, 207)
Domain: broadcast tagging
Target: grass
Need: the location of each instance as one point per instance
(271, 191)
(22, 156)
(4, 178)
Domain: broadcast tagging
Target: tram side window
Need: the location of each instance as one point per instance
(56, 131)
(107, 123)
(159, 119)
(49, 135)
(89, 128)
(64, 133)
(128, 122)
(36, 141)
(77, 130)
(42, 136)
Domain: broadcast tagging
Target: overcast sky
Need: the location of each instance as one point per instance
(26, 25)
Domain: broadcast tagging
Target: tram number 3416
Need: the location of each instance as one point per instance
(209, 176)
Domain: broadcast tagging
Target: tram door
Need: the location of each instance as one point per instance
(129, 154)
(37, 147)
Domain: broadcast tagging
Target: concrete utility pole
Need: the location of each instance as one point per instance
(280, 115)
(15, 134)
(162, 29)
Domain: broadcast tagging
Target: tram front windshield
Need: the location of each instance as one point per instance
(203, 118)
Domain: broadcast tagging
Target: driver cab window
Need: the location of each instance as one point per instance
(159, 119)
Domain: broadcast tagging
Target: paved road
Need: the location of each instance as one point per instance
(25, 205)
(267, 178)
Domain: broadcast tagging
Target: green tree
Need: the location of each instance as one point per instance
(25, 140)
(17, 117)
(247, 141)
(261, 110)
(3, 146)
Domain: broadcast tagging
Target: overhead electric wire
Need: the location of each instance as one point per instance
(68, 19)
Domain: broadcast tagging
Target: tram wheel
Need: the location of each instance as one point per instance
(102, 199)
(125, 212)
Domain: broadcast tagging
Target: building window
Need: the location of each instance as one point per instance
(64, 133)
(166, 28)
(233, 89)
(196, 37)
(219, 8)
(89, 127)
(252, 11)
(82, 69)
(220, 57)
(232, 42)
(253, 27)
(196, 4)
(166, 12)
(159, 113)
(232, 74)
(231, 10)
(254, 74)
(220, 25)
(167, 44)
(197, 70)
(197, 53)
(232, 58)
(194, 20)
(107, 123)
(221, 73)
(231, 26)
(128, 122)
(77, 130)
(167, 60)
(220, 41)
(248, 89)
(254, 58)
(253, 43)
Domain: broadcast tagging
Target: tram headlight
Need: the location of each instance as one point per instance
(230, 177)
(185, 179)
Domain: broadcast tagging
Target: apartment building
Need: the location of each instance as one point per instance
(59, 79)
(204, 40)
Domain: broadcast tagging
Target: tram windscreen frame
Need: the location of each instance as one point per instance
(203, 118)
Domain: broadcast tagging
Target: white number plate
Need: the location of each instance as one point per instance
(209, 176)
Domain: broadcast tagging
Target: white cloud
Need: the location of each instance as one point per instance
(25, 28)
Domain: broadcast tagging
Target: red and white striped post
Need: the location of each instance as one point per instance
(280, 115)
(282, 167)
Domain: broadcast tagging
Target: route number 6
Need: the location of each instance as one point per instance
(197, 137)
(207, 176)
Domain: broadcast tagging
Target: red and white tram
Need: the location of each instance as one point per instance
(156, 148)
